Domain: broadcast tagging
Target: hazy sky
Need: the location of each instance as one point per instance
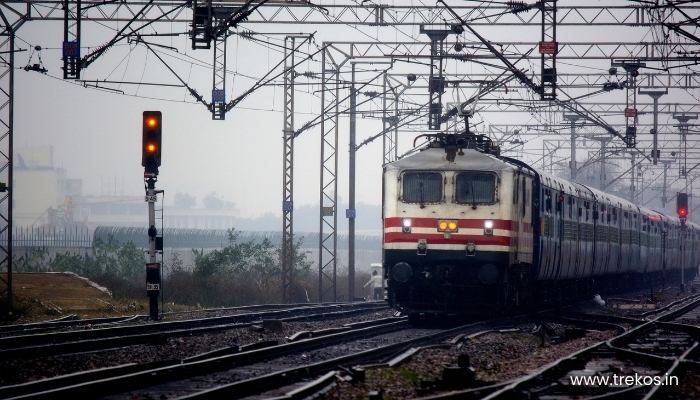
(96, 134)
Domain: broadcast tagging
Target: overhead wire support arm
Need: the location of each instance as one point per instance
(324, 117)
(262, 81)
(93, 56)
(192, 91)
(518, 73)
(234, 19)
(568, 105)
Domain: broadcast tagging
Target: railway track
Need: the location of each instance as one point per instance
(52, 343)
(73, 321)
(67, 322)
(107, 381)
(264, 379)
(656, 348)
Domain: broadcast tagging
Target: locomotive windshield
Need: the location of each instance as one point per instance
(475, 188)
(422, 187)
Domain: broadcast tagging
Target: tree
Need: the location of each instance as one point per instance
(214, 201)
(185, 200)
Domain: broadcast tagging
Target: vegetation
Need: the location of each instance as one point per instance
(243, 272)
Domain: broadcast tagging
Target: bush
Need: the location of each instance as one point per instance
(240, 273)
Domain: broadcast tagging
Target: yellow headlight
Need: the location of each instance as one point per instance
(447, 226)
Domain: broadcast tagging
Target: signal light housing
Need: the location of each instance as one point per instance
(152, 138)
(682, 206)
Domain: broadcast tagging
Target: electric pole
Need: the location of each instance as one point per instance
(572, 118)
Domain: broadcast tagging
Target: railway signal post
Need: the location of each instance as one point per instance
(682, 210)
(150, 160)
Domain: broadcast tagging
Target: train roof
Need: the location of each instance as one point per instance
(435, 159)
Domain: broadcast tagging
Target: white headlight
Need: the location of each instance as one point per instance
(406, 222)
(488, 224)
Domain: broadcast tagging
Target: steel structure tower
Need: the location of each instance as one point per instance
(351, 212)
(287, 256)
(683, 119)
(572, 118)
(218, 91)
(328, 199)
(436, 83)
(548, 50)
(584, 80)
(71, 39)
(655, 95)
(11, 22)
(349, 12)
(390, 101)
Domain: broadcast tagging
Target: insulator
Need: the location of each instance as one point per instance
(517, 6)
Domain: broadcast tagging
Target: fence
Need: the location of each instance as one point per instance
(51, 237)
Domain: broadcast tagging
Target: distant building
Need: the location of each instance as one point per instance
(43, 194)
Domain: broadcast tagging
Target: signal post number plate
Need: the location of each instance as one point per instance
(152, 287)
(151, 198)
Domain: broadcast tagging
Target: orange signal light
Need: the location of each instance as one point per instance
(447, 226)
(152, 122)
(151, 148)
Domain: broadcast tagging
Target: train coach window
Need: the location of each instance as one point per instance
(475, 188)
(548, 201)
(422, 187)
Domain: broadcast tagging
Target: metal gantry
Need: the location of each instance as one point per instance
(11, 22)
(71, 38)
(287, 248)
(218, 91)
(390, 119)
(328, 199)
(549, 47)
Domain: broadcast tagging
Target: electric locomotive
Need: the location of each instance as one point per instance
(468, 230)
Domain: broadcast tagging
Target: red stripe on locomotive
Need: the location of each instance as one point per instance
(398, 237)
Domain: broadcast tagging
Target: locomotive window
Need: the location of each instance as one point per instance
(422, 187)
(475, 188)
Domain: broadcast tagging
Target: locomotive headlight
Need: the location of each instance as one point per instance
(488, 228)
(406, 225)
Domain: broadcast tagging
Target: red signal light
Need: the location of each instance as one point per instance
(682, 212)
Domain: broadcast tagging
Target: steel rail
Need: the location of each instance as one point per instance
(104, 338)
(120, 379)
(609, 348)
(260, 384)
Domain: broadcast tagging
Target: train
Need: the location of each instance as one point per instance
(466, 230)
